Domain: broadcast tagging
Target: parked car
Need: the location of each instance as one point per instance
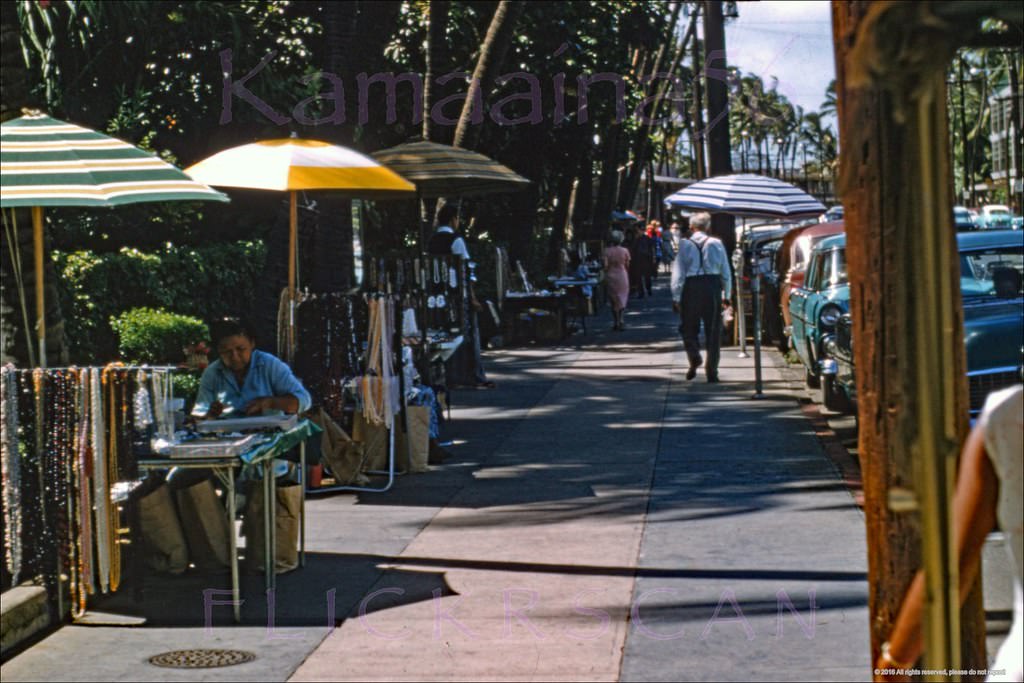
(793, 257)
(771, 289)
(996, 217)
(962, 219)
(835, 213)
(814, 308)
(1018, 222)
(840, 350)
(756, 247)
(991, 272)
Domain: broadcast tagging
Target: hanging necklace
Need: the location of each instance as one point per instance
(83, 488)
(11, 473)
(100, 487)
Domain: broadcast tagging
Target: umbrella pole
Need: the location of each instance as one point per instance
(293, 247)
(756, 294)
(37, 236)
(741, 315)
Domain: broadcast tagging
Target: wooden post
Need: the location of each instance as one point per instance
(908, 322)
(38, 246)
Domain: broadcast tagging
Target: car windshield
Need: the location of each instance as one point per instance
(992, 273)
(834, 271)
(827, 270)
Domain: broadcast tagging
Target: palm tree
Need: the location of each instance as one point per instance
(828, 107)
(794, 134)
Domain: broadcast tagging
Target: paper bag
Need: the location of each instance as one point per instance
(374, 440)
(206, 526)
(341, 453)
(419, 437)
(288, 514)
(162, 536)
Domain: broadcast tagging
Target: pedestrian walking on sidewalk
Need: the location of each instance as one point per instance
(701, 287)
(641, 265)
(616, 275)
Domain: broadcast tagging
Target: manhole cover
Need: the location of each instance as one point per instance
(201, 659)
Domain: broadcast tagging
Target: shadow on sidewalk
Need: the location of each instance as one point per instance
(333, 587)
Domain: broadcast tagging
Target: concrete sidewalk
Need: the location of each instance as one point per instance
(602, 519)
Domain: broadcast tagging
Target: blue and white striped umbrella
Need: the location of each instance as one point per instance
(747, 194)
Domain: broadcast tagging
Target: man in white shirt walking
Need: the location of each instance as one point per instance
(701, 285)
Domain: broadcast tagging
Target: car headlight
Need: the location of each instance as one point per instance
(829, 316)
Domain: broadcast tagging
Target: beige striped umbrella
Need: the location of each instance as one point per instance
(47, 162)
(445, 171)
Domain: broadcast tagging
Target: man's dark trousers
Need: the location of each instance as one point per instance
(702, 301)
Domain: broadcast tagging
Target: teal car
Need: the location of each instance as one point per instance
(814, 310)
(991, 272)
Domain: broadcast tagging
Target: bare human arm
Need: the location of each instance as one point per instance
(974, 515)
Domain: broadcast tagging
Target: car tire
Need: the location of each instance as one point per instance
(813, 380)
(832, 397)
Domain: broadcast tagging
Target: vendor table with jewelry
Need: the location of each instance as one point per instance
(535, 316)
(581, 297)
(260, 456)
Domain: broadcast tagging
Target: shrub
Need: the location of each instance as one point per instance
(186, 386)
(208, 282)
(147, 335)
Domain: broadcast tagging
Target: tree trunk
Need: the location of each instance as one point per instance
(582, 213)
(908, 323)
(330, 255)
(434, 50)
(715, 65)
(723, 226)
(642, 143)
(1015, 200)
(20, 295)
(492, 54)
(698, 114)
(608, 183)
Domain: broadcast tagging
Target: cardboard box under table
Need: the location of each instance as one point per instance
(223, 465)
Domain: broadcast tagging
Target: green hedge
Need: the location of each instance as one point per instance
(147, 335)
(204, 282)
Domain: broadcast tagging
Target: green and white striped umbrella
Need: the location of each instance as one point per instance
(47, 162)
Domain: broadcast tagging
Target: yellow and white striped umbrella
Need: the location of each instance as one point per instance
(297, 164)
(293, 164)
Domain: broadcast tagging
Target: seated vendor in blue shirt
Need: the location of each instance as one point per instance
(245, 381)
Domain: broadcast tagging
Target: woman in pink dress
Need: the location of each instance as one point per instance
(616, 273)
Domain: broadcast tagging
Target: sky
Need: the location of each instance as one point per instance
(791, 40)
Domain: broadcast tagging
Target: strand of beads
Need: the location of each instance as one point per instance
(12, 500)
(100, 486)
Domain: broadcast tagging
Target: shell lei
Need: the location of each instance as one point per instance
(101, 492)
(379, 385)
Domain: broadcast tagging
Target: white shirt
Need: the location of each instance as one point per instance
(459, 245)
(1003, 421)
(709, 259)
